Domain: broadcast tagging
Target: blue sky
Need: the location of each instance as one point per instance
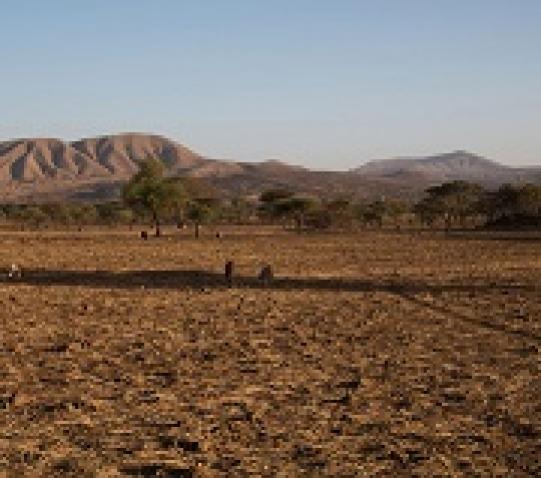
(327, 84)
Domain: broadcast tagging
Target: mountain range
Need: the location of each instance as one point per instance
(46, 169)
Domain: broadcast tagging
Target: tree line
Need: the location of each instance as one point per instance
(153, 198)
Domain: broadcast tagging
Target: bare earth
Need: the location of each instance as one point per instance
(374, 354)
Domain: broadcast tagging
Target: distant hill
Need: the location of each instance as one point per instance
(458, 165)
(102, 157)
(48, 169)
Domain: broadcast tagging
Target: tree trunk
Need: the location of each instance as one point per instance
(157, 225)
(299, 223)
(448, 221)
(180, 218)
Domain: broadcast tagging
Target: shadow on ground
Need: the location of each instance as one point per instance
(495, 236)
(178, 279)
(196, 279)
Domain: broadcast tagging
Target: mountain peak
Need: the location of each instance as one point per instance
(455, 165)
(457, 155)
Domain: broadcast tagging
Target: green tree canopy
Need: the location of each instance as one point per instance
(150, 192)
(340, 210)
(33, 215)
(270, 202)
(515, 204)
(452, 201)
(295, 208)
(201, 210)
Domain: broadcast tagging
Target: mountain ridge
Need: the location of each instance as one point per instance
(94, 168)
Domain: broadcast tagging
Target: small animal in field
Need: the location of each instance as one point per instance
(219, 235)
(229, 271)
(266, 275)
(15, 272)
(144, 235)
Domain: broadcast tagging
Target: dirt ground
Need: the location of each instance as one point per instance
(370, 354)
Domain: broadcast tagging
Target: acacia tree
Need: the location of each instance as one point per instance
(379, 211)
(374, 212)
(238, 210)
(60, 213)
(295, 208)
(84, 214)
(150, 192)
(284, 204)
(453, 201)
(200, 211)
(340, 211)
(33, 215)
(271, 200)
(529, 200)
(197, 193)
(515, 204)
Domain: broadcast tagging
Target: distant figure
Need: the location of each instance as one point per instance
(144, 235)
(229, 270)
(15, 272)
(266, 275)
(219, 235)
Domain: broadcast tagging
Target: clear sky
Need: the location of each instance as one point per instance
(323, 83)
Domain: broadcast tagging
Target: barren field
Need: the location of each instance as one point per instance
(370, 354)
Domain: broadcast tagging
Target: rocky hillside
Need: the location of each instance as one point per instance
(103, 157)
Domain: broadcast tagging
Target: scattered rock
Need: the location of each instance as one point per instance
(229, 271)
(15, 272)
(266, 274)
